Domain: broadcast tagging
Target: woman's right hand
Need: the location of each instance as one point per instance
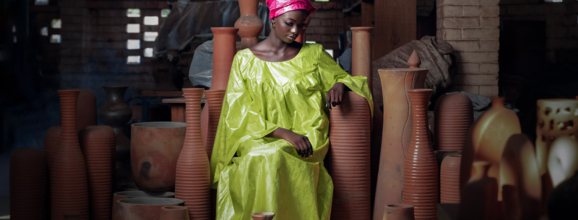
(300, 142)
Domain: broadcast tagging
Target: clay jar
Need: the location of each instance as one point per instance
(116, 113)
(215, 101)
(144, 208)
(262, 215)
(361, 53)
(28, 180)
(397, 129)
(563, 159)
(450, 179)
(349, 135)
(479, 199)
(398, 212)
(421, 176)
(224, 49)
(174, 213)
(135, 194)
(155, 149)
(249, 24)
(454, 115)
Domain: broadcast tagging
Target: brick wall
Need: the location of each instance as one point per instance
(471, 27)
(326, 24)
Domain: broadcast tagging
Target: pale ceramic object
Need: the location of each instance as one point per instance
(562, 159)
(263, 215)
(479, 199)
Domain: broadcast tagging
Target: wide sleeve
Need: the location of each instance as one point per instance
(331, 73)
(241, 119)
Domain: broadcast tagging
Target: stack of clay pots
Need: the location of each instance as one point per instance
(453, 118)
(450, 179)
(249, 24)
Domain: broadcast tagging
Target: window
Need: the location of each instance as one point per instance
(148, 52)
(41, 2)
(329, 51)
(150, 36)
(165, 12)
(133, 12)
(133, 28)
(310, 42)
(15, 39)
(56, 23)
(133, 60)
(13, 28)
(552, 0)
(133, 44)
(151, 20)
(55, 39)
(44, 31)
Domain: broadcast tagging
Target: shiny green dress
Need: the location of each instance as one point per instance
(255, 173)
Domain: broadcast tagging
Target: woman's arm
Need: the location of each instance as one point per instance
(300, 142)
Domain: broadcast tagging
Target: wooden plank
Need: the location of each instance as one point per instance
(395, 25)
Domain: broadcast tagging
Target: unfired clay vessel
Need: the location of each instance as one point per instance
(262, 215)
(144, 208)
(398, 212)
(249, 24)
(215, 100)
(454, 115)
(361, 53)
(450, 179)
(135, 194)
(479, 199)
(174, 213)
(28, 181)
(223, 52)
(562, 159)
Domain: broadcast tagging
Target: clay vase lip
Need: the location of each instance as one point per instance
(263, 214)
(137, 194)
(160, 124)
(398, 206)
(152, 201)
(361, 28)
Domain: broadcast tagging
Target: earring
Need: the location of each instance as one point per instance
(272, 25)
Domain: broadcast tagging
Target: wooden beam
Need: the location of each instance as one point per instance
(395, 25)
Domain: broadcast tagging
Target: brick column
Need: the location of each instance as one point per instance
(471, 27)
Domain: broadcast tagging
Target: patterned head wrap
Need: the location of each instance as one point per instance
(279, 7)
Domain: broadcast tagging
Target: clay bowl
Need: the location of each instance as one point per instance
(175, 213)
(144, 208)
(136, 194)
(263, 215)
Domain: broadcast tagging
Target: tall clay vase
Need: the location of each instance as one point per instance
(28, 181)
(397, 127)
(224, 45)
(479, 196)
(192, 181)
(97, 144)
(349, 134)
(215, 102)
(86, 109)
(249, 24)
(398, 212)
(450, 179)
(263, 216)
(421, 174)
(174, 213)
(361, 53)
(454, 115)
(68, 179)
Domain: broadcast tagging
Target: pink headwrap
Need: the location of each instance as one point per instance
(279, 7)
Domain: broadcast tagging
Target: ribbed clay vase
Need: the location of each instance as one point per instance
(249, 24)
(68, 179)
(28, 181)
(224, 49)
(135, 194)
(97, 144)
(454, 115)
(398, 212)
(421, 174)
(154, 152)
(174, 213)
(397, 127)
(263, 216)
(450, 179)
(349, 134)
(86, 109)
(144, 208)
(193, 169)
(361, 53)
(479, 199)
(215, 102)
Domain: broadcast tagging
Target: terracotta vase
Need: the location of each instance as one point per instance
(262, 215)
(413, 61)
(562, 159)
(398, 212)
(421, 177)
(442, 154)
(520, 182)
(397, 129)
(479, 199)
(487, 138)
(68, 179)
(28, 181)
(450, 179)
(155, 149)
(144, 208)
(85, 109)
(135, 194)
(249, 24)
(97, 144)
(301, 37)
(193, 182)
(361, 53)
(349, 135)
(563, 199)
(454, 115)
(224, 49)
(215, 101)
(51, 143)
(174, 213)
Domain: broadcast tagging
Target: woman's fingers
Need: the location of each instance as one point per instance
(329, 97)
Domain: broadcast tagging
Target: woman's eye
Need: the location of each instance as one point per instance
(290, 24)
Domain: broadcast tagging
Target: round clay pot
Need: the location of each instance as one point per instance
(349, 135)
(28, 180)
(421, 177)
(69, 185)
(144, 208)
(85, 109)
(51, 143)
(563, 199)
(262, 215)
(135, 194)
(396, 136)
(450, 179)
(454, 115)
(249, 24)
(398, 212)
(479, 199)
(563, 159)
(174, 213)
(361, 53)
(97, 144)
(155, 149)
(215, 101)
(224, 49)
(193, 170)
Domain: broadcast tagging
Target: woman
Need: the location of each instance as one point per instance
(272, 134)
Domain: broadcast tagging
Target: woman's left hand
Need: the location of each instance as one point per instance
(334, 95)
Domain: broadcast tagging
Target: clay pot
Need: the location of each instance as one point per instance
(349, 135)
(301, 37)
(69, 185)
(563, 199)
(97, 144)
(174, 213)
(85, 109)
(442, 154)
(155, 149)
(192, 180)
(28, 180)
(361, 53)
(135, 194)
(519, 183)
(144, 208)
(116, 113)
(262, 215)
(398, 212)
(51, 143)
(249, 24)
(224, 49)
(487, 138)
(215, 101)
(421, 186)
(454, 115)
(563, 159)
(397, 129)
(450, 179)
(479, 199)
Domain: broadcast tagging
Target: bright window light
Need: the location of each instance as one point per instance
(13, 28)
(329, 51)
(56, 23)
(133, 44)
(133, 28)
(165, 12)
(133, 60)
(133, 12)
(151, 20)
(148, 52)
(15, 39)
(44, 31)
(150, 36)
(55, 39)
(41, 2)
(310, 42)
(552, 0)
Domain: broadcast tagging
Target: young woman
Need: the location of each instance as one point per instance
(273, 131)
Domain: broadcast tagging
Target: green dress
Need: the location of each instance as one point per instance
(255, 173)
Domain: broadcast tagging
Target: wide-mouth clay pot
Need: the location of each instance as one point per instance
(263, 215)
(144, 208)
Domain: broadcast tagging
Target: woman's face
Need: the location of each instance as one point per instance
(289, 25)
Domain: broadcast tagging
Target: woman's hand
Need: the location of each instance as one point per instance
(300, 142)
(334, 95)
